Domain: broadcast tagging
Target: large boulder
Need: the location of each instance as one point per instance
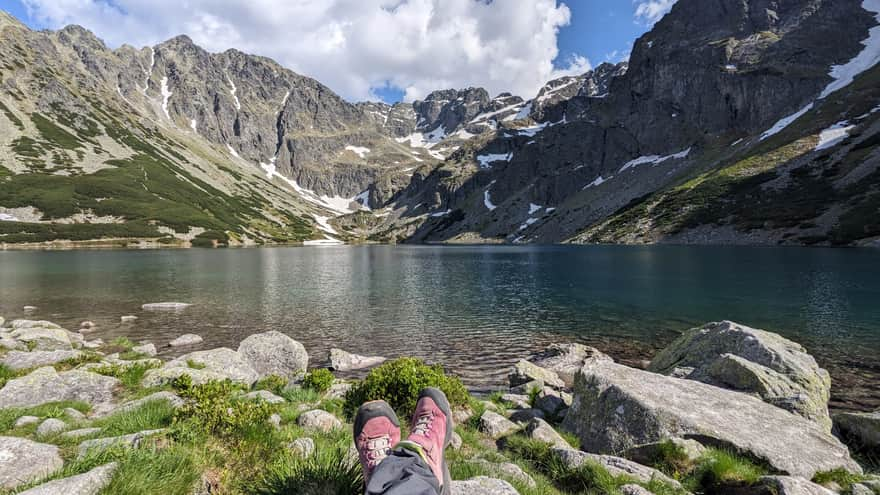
(46, 385)
(482, 485)
(346, 361)
(88, 483)
(861, 428)
(23, 461)
(222, 361)
(273, 353)
(165, 376)
(18, 360)
(744, 359)
(566, 359)
(616, 408)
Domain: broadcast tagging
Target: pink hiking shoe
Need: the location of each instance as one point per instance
(432, 431)
(376, 432)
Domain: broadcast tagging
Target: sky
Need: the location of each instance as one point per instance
(391, 50)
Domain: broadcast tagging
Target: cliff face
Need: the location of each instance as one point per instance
(637, 152)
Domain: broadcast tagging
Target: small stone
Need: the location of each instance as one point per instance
(265, 396)
(302, 447)
(89, 483)
(540, 430)
(186, 339)
(496, 425)
(26, 420)
(275, 420)
(518, 400)
(455, 442)
(482, 485)
(634, 490)
(553, 403)
(23, 461)
(317, 419)
(338, 390)
(461, 415)
(346, 361)
(146, 349)
(50, 426)
(82, 432)
(128, 319)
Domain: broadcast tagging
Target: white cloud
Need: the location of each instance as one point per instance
(352, 45)
(651, 11)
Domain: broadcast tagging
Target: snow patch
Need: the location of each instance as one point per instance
(340, 206)
(487, 200)
(6, 217)
(364, 199)
(193, 125)
(441, 213)
(654, 159)
(149, 72)
(523, 113)
(358, 150)
(834, 135)
(785, 122)
(487, 160)
(324, 242)
(232, 150)
(166, 95)
(488, 115)
(528, 223)
(598, 182)
(533, 208)
(233, 91)
(324, 225)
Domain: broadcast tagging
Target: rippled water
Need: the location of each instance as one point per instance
(474, 309)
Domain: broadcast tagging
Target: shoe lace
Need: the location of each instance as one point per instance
(423, 424)
(376, 449)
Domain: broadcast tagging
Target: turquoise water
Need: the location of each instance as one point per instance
(474, 309)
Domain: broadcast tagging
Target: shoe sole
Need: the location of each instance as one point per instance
(442, 402)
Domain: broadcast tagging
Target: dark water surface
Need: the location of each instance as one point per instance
(474, 309)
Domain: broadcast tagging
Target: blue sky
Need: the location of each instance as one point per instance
(599, 30)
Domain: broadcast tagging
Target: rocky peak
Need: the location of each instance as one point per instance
(450, 108)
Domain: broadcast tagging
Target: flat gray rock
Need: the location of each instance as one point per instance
(345, 361)
(221, 361)
(518, 401)
(165, 306)
(18, 360)
(82, 432)
(616, 408)
(164, 376)
(524, 372)
(737, 357)
(482, 485)
(617, 466)
(496, 425)
(43, 338)
(101, 444)
(862, 429)
(46, 385)
(23, 461)
(273, 353)
(89, 483)
(20, 324)
(147, 349)
(186, 339)
(506, 469)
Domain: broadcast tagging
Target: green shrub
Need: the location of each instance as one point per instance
(216, 409)
(399, 382)
(319, 380)
(841, 476)
(272, 383)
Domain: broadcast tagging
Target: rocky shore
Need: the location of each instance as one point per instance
(723, 409)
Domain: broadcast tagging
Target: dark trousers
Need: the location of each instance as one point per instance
(403, 472)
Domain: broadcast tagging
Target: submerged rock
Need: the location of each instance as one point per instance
(862, 429)
(566, 360)
(616, 408)
(524, 372)
(89, 483)
(744, 359)
(186, 339)
(273, 353)
(128, 319)
(165, 306)
(346, 361)
(46, 385)
(43, 338)
(23, 461)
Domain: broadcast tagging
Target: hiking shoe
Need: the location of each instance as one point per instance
(432, 431)
(376, 432)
